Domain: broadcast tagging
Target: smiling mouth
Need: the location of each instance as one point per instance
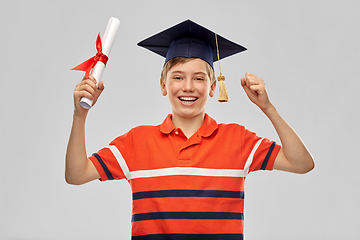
(188, 99)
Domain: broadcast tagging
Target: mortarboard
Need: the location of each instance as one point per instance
(188, 39)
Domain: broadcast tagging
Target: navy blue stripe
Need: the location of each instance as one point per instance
(103, 165)
(267, 157)
(188, 193)
(190, 237)
(187, 215)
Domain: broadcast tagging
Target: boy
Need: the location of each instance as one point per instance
(187, 174)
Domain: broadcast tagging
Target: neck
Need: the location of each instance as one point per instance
(188, 125)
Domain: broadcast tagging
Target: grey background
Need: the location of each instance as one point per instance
(306, 51)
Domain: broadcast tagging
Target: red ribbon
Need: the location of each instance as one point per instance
(90, 63)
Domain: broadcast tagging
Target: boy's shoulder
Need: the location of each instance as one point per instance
(231, 130)
(154, 130)
(231, 126)
(140, 133)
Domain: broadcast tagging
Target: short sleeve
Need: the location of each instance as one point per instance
(259, 152)
(112, 162)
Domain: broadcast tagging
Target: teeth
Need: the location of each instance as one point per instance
(188, 98)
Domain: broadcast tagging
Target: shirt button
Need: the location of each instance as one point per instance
(176, 132)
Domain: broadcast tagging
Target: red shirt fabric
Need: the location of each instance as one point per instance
(186, 188)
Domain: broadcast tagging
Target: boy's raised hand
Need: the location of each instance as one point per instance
(86, 88)
(293, 156)
(255, 90)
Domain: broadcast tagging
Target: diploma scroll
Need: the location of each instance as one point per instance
(98, 69)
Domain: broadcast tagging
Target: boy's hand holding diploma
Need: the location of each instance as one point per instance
(88, 88)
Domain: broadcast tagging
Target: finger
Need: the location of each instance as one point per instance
(247, 80)
(243, 83)
(84, 93)
(248, 75)
(256, 89)
(255, 81)
(91, 78)
(244, 79)
(88, 82)
(82, 89)
(251, 78)
(80, 94)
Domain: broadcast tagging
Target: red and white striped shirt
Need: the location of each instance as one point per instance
(186, 188)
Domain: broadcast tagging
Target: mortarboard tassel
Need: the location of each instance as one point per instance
(223, 95)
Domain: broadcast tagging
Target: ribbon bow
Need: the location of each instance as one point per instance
(90, 63)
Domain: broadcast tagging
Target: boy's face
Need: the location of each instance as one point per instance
(188, 86)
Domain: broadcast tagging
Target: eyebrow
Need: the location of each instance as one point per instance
(203, 73)
(196, 73)
(177, 72)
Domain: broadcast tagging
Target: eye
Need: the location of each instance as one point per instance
(177, 77)
(199, 79)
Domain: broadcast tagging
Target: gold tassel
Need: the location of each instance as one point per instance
(223, 95)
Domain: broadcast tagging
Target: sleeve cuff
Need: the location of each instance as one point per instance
(270, 157)
(101, 167)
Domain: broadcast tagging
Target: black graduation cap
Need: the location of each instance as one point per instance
(188, 39)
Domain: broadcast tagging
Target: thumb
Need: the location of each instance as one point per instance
(101, 86)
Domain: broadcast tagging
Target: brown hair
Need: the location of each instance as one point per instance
(180, 60)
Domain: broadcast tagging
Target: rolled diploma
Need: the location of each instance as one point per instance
(98, 69)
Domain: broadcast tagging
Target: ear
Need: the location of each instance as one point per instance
(212, 89)
(163, 87)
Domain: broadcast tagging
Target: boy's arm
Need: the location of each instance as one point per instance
(293, 156)
(78, 168)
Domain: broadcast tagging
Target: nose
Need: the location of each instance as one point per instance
(188, 85)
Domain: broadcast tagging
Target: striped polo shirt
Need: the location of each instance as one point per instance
(186, 188)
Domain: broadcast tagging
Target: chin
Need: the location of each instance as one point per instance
(186, 114)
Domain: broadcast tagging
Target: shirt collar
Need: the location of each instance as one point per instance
(167, 126)
(208, 127)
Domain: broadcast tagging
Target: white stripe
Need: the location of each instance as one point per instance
(251, 156)
(209, 172)
(187, 171)
(120, 160)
